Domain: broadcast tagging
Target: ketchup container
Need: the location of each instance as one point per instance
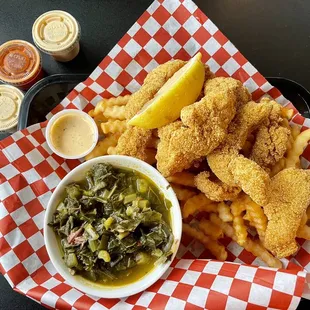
(20, 64)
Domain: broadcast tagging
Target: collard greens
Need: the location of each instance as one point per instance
(116, 220)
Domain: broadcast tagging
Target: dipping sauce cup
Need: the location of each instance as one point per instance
(71, 134)
(10, 102)
(20, 64)
(57, 33)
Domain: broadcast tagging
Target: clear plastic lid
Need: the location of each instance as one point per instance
(10, 102)
(20, 62)
(55, 31)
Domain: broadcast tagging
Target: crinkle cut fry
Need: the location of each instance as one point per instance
(107, 103)
(182, 193)
(102, 146)
(183, 178)
(251, 246)
(241, 233)
(210, 229)
(215, 248)
(225, 212)
(257, 217)
(293, 154)
(196, 204)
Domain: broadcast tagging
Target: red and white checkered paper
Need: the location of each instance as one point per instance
(29, 172)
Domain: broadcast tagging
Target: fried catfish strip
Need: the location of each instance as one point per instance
(249, 117)
(215, 190)
(253, 180)
(134, 142)
(272, 138)
(289, 197)
(202, 128)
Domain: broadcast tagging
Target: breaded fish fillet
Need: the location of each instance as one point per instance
(248, 118)
(272, 138)
(134, 142)
(202, 128)
(215, 190)
(253, 180)
(289, 197)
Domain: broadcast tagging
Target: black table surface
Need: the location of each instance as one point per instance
(273, 34)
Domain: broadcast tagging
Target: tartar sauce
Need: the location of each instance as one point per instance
(72, 134)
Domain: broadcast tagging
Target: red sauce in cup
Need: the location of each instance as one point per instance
(20, 64)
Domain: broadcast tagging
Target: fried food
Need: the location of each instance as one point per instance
(134, 142)
(215, 190)
(224, 212)
(301, 141)
(256, 216)
(102, 146)
(230, 85)
(202, 128)
(196, 204)
(152, 84)
(251, 178)
(183, 178)
(219, 158)
(210, 229)
(113, 126)
(237, 208)
(272, 138)
(215, 248)
(182, 193)
(289, 197)
(249, 117)
(254, 247)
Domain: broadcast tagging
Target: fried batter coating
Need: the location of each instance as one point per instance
(272, 138)
(253, 180)
(248, 118)
(270, 145)
(152, 84)
(202, 128)
(289, 197)
(134, 142)
(215, 190)
(231, 85)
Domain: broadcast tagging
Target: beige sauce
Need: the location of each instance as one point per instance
(72, 135)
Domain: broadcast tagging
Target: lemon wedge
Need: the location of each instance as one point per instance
(182, 89)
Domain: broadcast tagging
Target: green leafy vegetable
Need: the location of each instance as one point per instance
(115, 221)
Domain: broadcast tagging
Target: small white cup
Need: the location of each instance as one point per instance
(91, 122)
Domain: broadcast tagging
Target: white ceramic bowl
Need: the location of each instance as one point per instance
(81, 114)
(53, 247)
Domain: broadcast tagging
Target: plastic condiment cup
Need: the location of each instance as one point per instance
(10, 102)
(57, 33)
(80, 114)
(52, 244)
(20, 64)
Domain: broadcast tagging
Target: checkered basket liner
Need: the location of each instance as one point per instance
(29, 172)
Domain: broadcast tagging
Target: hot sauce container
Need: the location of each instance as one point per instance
(57, 33)
(20, 64)
(10, 102)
